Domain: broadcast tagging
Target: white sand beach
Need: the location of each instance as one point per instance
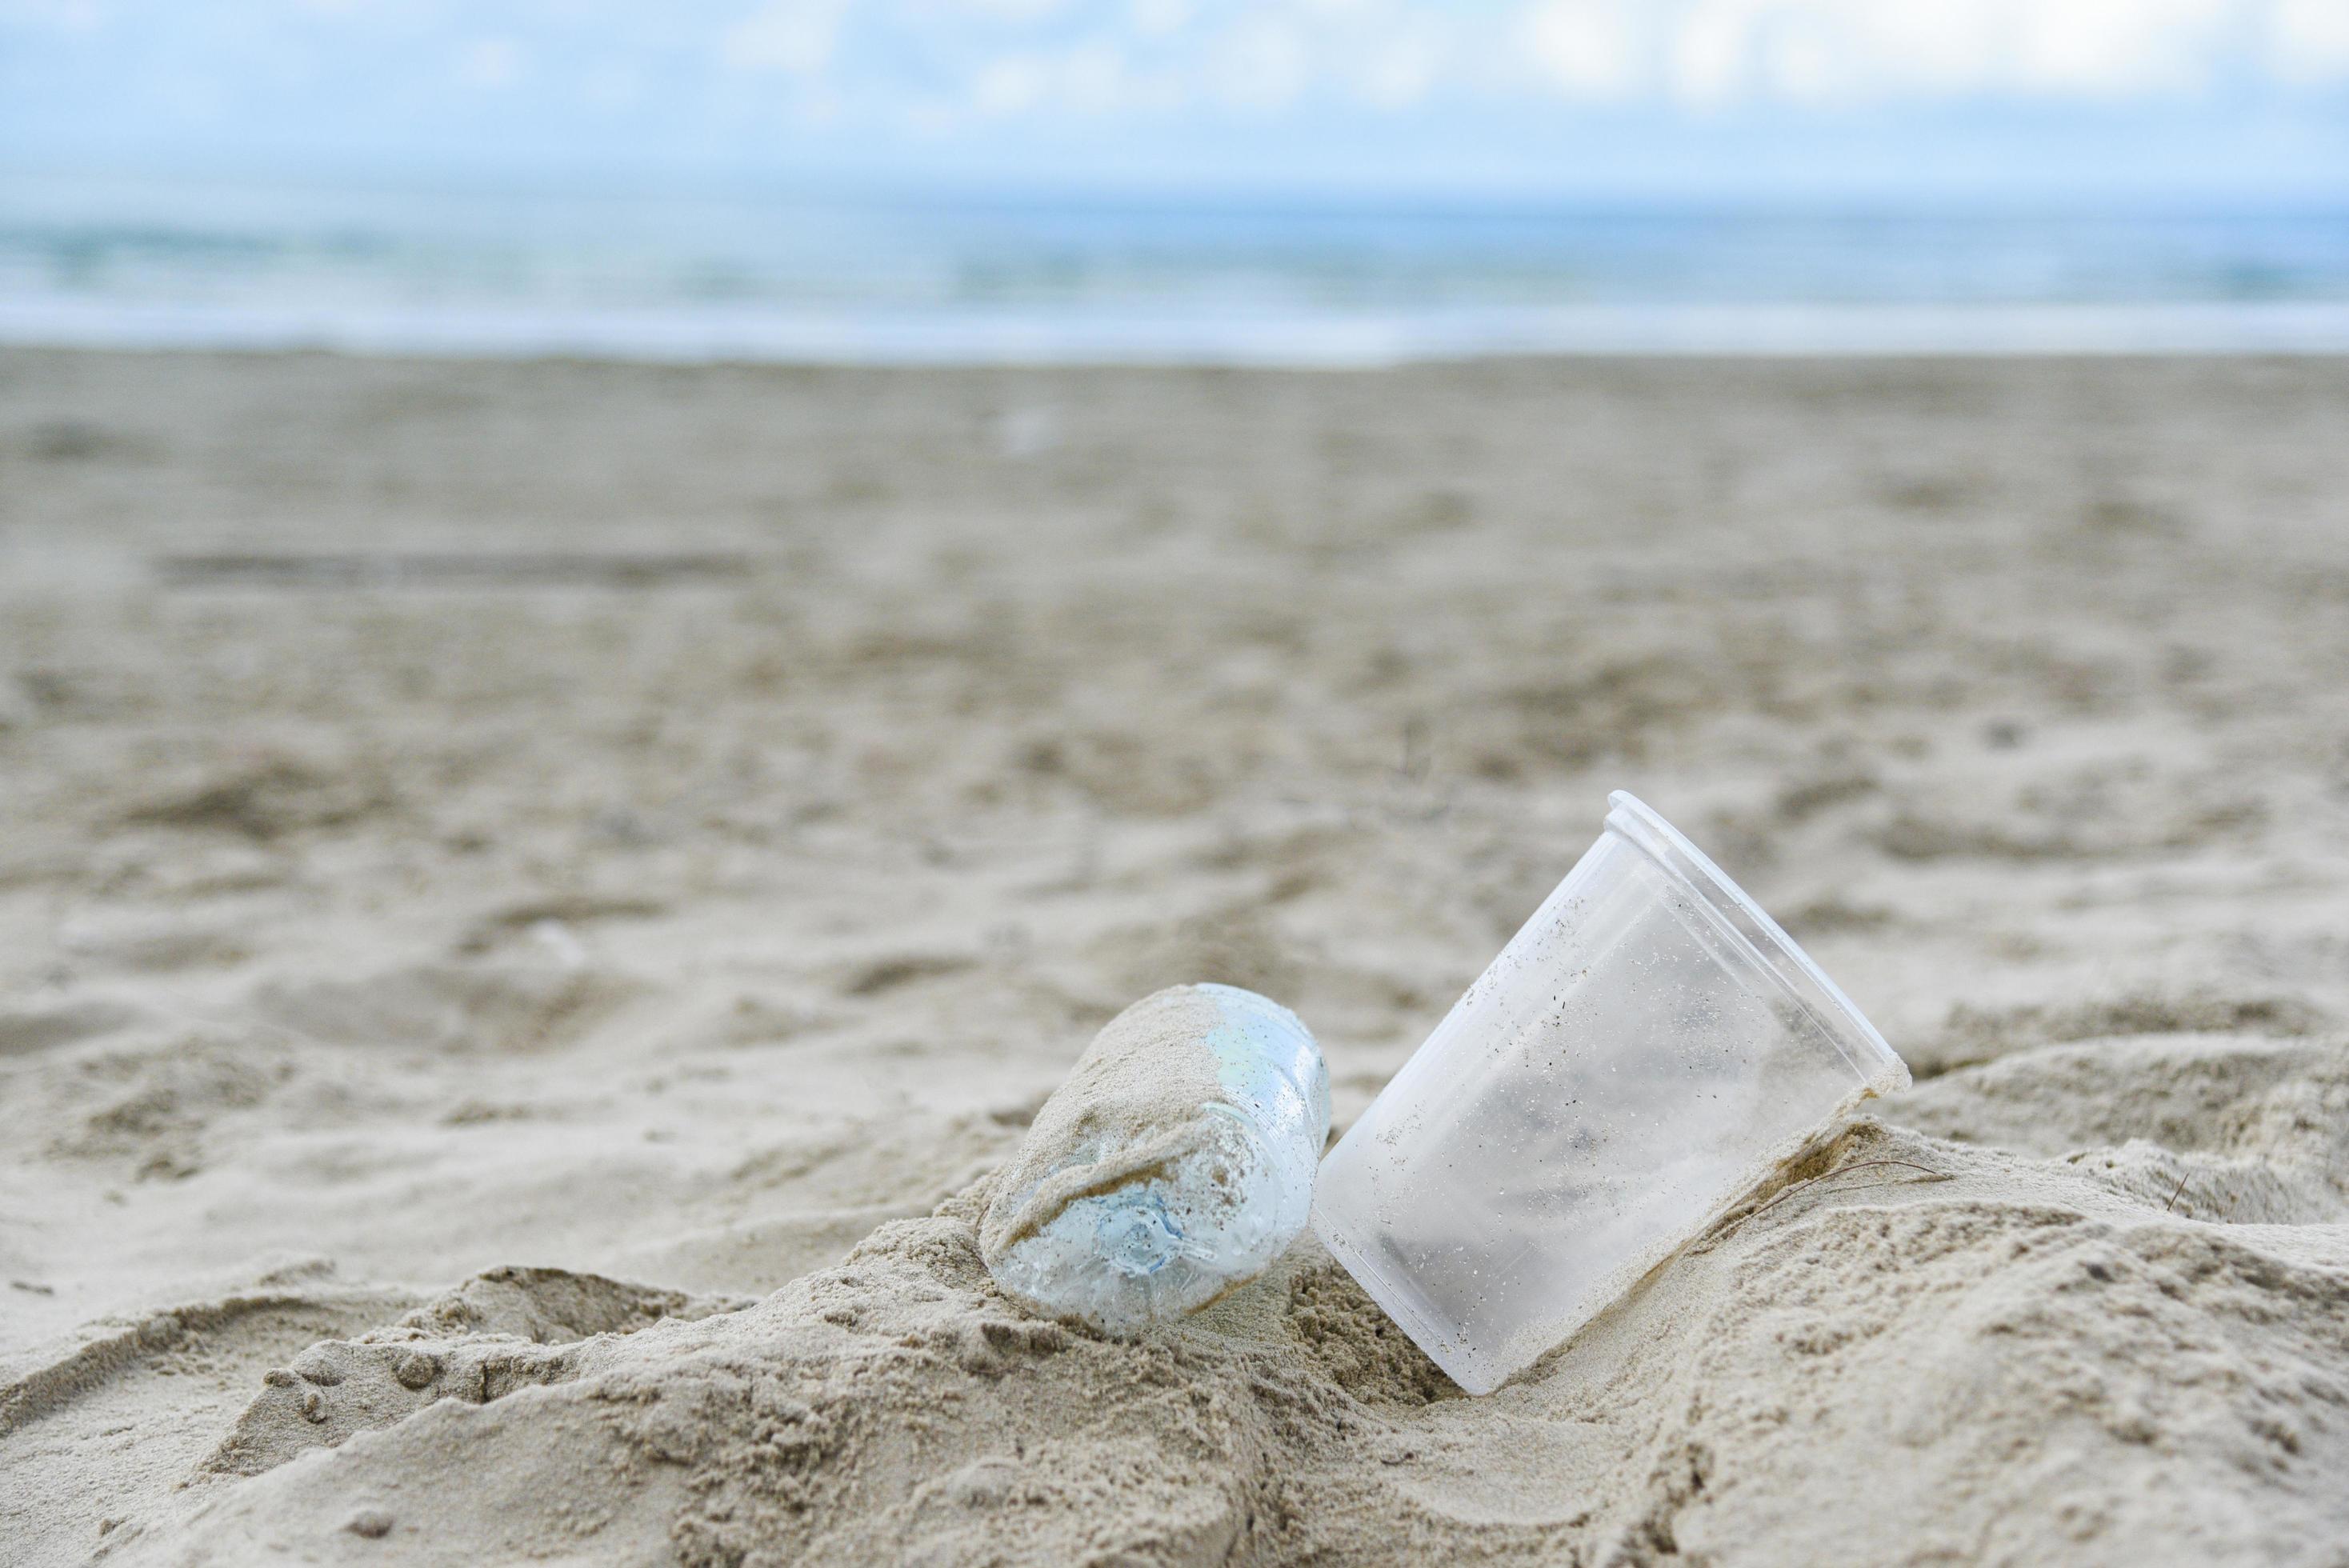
(534, 896)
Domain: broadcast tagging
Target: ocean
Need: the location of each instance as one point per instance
(908, 277)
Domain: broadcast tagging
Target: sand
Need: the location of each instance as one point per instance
(534, 898)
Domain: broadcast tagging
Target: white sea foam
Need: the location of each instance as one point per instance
(1306, 340)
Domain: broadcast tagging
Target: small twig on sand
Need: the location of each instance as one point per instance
(1841, 1170)
(2174, 1196)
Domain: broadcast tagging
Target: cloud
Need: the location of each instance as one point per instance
(1384, 87)
(1158, 18)
(1404, 66)
(2311, 40)
(1584, 48)
(489, 63)
(794, 36)
(1092, 78)
(1262, 62)
(68, 16)
(1014, 11)
(1714, 54)
(2110, 48)
(1012, 84)
(1272, 57)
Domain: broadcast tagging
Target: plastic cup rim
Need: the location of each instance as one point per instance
(1863, 1046)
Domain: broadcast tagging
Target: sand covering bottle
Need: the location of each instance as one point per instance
(1175, 1164)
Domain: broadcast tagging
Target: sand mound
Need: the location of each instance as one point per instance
(125, 1407)
(2023, 1345)
(2235, 1129)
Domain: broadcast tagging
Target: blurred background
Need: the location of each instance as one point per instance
(1310, 182)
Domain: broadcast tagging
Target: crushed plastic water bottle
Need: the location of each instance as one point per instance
(1175, 1164)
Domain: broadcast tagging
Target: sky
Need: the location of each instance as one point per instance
(2000, 100)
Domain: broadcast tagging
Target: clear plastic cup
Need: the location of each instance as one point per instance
(1647, 1050)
